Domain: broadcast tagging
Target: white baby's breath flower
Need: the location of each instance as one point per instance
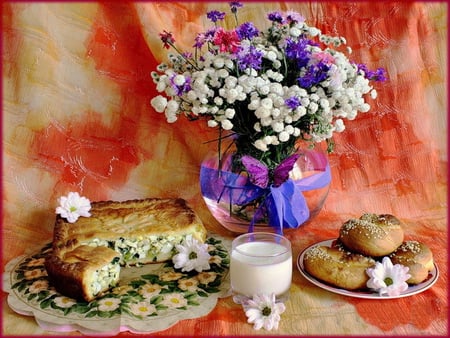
(388, 279)
(179, 80)
(373, 94)
(313, 31)
(226, 124)
(170, 116)
(212, 123)
(73, 206)
(339, 125)
(229, 113)
(283, 136)
(192, 255)
(219, 62)
(159, 103)
(263, 311)
(261, 145)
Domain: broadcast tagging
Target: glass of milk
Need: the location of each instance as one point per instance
(261, 263)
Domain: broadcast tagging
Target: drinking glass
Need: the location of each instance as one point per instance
(261, 263)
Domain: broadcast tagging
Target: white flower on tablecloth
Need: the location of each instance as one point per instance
(35, 273)
(192, 255)
(189, 284)
(142, 309)
(150, 290)
(36, 262)
(174, 300)
(388, 279)
(206, 277)
(108, 304)
(73, 206)
(122, 289)
(64, 302)
(216, 259)
(170, 276)
(38, 286)
(263, 311)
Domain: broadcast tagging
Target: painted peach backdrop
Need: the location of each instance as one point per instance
(76, 117)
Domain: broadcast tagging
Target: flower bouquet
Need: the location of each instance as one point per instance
(266, 92)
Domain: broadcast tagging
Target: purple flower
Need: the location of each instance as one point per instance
(234, 5)
(249, 57)
(205, 37)
(294, 17)
(247, 31)
(314, 74)
(373, 75)
(293, 102)
(275, 17)
(200, 40)
(215, 16)
(297, 51)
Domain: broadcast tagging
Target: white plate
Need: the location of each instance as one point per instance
(30, 293)
(412, 290)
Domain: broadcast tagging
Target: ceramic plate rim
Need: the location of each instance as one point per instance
(412, 290)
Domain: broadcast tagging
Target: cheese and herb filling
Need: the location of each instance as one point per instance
(105, 278)
(140, 250)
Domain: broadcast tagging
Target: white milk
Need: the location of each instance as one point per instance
(253, 271)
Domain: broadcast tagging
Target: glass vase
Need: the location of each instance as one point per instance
(241, 206)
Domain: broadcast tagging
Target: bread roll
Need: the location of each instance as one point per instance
(372, 235)
(339, 268)
(417, 257)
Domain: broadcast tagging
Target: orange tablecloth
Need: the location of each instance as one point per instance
(77, 117)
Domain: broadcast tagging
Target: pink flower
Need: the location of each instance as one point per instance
(323, 57)
(227, 41)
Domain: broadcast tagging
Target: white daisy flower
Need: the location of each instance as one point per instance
(388, 279)
(263, 311)
(108, 304)
(174, 300)
(192, 255)
(64, 302)
(73, 206)
(142, 308)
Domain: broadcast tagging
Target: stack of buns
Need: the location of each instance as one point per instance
(361, 243)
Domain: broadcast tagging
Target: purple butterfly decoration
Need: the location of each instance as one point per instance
(260, 175)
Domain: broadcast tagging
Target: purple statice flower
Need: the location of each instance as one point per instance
(247, 31)
(180, 89)
(292, 102)
(293, 17)
(373, 75)
(209, 34)
(297, 51)
(275, 17)
(200, 40)
(249, 57)
(234, 5)
(205, 37)
(314, 74)
(215, 16)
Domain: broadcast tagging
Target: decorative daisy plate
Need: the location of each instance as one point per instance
(412, 290)
(149, 298)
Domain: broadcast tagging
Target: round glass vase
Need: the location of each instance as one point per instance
(228, 195)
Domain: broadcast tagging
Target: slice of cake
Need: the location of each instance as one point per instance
(87, 254)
